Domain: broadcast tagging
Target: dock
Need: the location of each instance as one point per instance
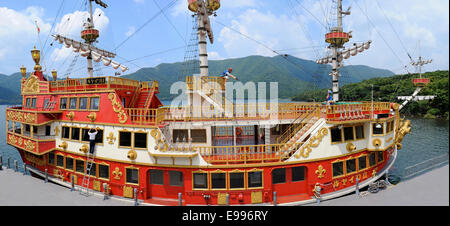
(428, 189)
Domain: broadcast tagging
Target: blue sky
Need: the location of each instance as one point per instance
(294, 27)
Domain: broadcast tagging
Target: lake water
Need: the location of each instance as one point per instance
(426, 146)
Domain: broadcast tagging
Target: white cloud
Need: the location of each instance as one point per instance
(266, 32)
(214, 56)
(130, 31)
(18, 35)
(71, 26)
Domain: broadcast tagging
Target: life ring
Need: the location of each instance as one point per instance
(238, 131)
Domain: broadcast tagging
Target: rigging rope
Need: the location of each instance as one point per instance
(172, 3)
(170, 22)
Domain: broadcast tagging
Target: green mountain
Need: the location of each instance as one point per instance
(293, 75)
(387, 89)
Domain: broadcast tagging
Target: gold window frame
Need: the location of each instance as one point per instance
(262, 178)
(109, 171)
(73, 163)
(219, 172)
(67, 103)
(132, 168)
(363, 132)
(342, 135)
(371, 129)
(63, 161)
(343, 169)
(208, 184)
(244, 176)
(133, 139)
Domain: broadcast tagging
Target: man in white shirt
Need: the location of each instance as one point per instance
(92, 133)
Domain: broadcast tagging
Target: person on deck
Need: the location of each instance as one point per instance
(92, 133)
(227, 74)
(329, 98)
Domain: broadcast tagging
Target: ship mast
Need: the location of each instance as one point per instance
(86, 49)
(204, 9)
(337, 38)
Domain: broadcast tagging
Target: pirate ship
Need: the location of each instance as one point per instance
(217, 152)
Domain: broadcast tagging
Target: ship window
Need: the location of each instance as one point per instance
(33, 103)
(200, 180)
(132, 175)
(35, 129)
(254, 179)
(380, 156)
(103, 171)
(377, 128)
(236, 180)
(75, 133)
(389, 126)
(279, 176)
(65, 132)
(175, 178)
(362, 162)
(157, 177)
(218, 181)
(60, 160)
(125, 139)
(51, 158)
(63, 103)
(93, 170)
(372, 160)
(336, 135)
(83, 103)
(338, 169)
(140, 140)
(69, 163)
(73, 103)
(94, 103)
(27, 128)
(180, 135)
(79, 166)
(28, 102)
(98, 137)
(298, 173)
(348, 133)
(198, 135)
(46, 103)
(359, 131)
(47, 130)
(350, 165)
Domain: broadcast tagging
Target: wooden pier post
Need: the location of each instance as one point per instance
(16, 167)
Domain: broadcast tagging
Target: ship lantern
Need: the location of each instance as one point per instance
(54, 74)
(36, 54)
(23, 70)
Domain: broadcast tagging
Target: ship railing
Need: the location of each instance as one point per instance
(201, 82)
(143, 116)
(299, 123)
(95, 83)
(243, 154)
(247, 111)
(356, 111)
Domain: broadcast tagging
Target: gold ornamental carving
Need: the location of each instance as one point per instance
(404, 128)
(128, 192)
(70, 115)
(313, 142)
(63, 145)
(117, 174)
(111, 138)
(29, 145)
(350, 147)
(30, 118)
(84, 148)
(117, 108)
(56, 130)
(132, 154)
(12, 139)
(92, 116)
(256, 197)
(31, 85)
(376, 142)
(320, 172)
(222, 198)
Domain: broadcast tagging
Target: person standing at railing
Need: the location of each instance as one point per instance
(227, 74)
(329, 98)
